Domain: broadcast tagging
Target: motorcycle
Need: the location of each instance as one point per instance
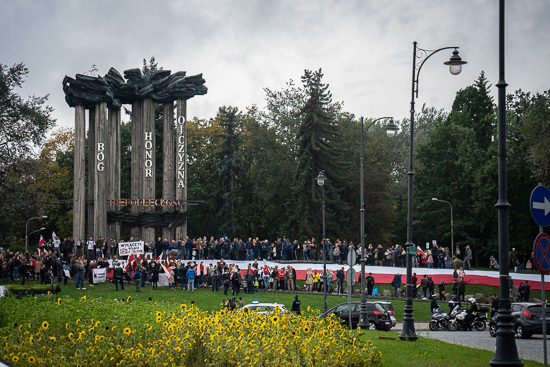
(459, 320)
(440, 320)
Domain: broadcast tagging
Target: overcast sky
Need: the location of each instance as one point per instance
(241, 47)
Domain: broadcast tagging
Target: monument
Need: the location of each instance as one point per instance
(103, 97)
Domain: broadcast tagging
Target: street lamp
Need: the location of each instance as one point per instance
(455, 67)
(452, 236)
(27, 229)
(506, 353)
(391, 129)
(321, 182)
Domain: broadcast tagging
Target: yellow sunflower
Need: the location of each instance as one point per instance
(128, 299)
(275, 319)
(59, 301)
(83, 298)
(127, 331)
(15, 358)
(31, 359)
(45, 325)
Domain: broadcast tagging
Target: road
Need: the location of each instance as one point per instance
(527, 348)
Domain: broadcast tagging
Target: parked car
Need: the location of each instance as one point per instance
(377, 317)
(527, 318)
(389, 308)
(264, 308)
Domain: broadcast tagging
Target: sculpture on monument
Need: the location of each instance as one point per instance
(103, 98)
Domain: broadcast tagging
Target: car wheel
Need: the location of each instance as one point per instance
(433, 325)
(493, 330)
(519, 331)
(480, 325)
(372, 325)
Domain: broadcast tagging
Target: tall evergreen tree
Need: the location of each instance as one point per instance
(319, 149)
(228, 170)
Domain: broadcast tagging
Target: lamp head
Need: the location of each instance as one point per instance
(44, 216)
(455, 63)
(321, 178)
(391, 128)
(43, 228)
(435, 199)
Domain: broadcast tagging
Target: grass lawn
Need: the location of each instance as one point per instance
(424, 352)
(429, 352)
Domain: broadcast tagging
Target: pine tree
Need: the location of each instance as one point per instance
(319, 149)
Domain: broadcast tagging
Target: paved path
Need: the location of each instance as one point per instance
(527, 348)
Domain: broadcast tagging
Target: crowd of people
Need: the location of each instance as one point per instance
(282, 249)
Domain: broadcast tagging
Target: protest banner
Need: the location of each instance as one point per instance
(127, 248)
(100, 275)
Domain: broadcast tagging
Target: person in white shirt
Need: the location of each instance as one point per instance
(91, 251)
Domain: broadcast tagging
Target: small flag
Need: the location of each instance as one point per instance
(41, 242)
(53, 235)
(420, 252)
(131, 260)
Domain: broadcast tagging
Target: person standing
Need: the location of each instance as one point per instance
(296, 305)
(468, 258)
(118, 276)
(90, 244)
(137, 278)
(461, 289)
(78, 276)
(190, 279)
(340, 277)
(370, 284)
(424, 285)
(414, 280)
(396, 282)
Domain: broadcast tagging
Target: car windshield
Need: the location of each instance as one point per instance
(537, 310)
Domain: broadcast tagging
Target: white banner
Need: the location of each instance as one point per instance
(163, 280)
(127, 248)
(100, 275)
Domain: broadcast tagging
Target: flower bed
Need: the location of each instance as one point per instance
(56, 331)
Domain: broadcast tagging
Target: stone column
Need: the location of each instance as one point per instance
(147, 151)
(79, 191)
(100, 199)
(168, 151)
(136, 165)
(91, 170)
(113, 168)
(181, 161)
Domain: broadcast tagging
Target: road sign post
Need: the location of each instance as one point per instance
(539, 204)
(351, 276)
(541, 249)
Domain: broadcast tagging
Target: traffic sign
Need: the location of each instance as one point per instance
(541, 249)
(352, 258)
(412, 250)
(351, 275)
(539, 203)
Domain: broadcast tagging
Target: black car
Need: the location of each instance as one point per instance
(527, 319)
(377, 317)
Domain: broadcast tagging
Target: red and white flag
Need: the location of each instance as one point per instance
(41, 242)
(130, 262)
(160, 261)
(421, 253)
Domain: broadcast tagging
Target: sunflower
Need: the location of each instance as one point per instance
(53, 339)
(31, 359)
(15, 358)
(59, 301)
(45, 325)
(358, 329)
(128, 299)
(127, 331)
(306, 329)
(158, 318)
(159, 314)
(149, 327)
(83, 298)
(275, 319)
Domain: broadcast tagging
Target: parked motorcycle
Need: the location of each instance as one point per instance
(440, 320)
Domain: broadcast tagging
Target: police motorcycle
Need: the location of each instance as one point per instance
(464, 319)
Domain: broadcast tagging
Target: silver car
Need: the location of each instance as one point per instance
(264, 308)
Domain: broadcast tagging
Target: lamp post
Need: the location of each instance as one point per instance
(506, 353)
(27, 229)
(452, 234)
(455, 67)
(391, 129)
(321, 182)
